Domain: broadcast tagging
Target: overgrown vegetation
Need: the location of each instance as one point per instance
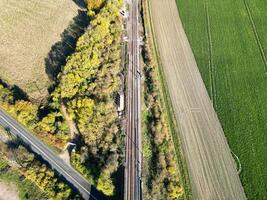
(26, 189)
(52, 128)
(88, 84)
(86, 88)
(228, 39)
(161, 172)
(30, 175)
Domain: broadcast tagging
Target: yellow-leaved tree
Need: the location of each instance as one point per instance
(94, 4)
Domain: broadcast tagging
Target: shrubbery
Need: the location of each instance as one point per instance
(86, 86)
(35, 171)
(161, 173)
(26, 189)
(52, 128)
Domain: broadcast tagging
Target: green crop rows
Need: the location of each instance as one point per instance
(229, 41)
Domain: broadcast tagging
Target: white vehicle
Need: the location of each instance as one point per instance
(121, 102)
(121, 105)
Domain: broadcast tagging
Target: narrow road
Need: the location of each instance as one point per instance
(212, 170)
(66, 171)
(132, 174)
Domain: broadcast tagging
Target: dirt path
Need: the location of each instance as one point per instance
(74, 132)
(71, 124)
(212, 169)
(8, 191)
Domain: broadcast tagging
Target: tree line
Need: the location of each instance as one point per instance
(160, 170)
(35, 171)
(88, 84)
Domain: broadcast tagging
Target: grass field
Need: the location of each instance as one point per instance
(230, 44)
(28, 30)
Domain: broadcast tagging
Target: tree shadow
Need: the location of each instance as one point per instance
(118, 178)
(17, 92)
(95, 194)
(80, 3)
(13, 143)
(4, 83)
(59, 52)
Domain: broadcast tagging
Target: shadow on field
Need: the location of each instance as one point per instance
(17, 92)
(80, 3)
(56, 58)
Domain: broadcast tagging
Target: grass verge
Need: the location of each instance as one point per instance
(166, 102)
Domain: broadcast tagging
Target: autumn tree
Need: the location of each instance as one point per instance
(26, 113)
(5, 94)
(86, 85)
(94, 4)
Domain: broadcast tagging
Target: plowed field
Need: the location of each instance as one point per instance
(211, 167)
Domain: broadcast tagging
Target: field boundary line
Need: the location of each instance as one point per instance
(253, 26)
(165, 96)
(211, 64)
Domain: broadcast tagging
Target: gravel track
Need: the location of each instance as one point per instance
(212, 170)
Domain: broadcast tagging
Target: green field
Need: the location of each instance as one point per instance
(229, 42)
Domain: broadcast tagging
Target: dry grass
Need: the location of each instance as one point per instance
(28, 30)
(8, 191)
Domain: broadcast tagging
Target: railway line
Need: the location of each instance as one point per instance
(132, 181)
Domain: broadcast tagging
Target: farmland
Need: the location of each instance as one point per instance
(164, 175)
(229, 42)
(28, 30)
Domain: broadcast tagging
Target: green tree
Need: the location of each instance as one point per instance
(26, 113)
(48, 123)
(105, 184)
(5, 95)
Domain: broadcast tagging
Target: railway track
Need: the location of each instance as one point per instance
(132, 182)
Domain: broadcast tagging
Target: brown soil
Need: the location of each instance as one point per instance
(74, 132)
(212, 170)
(8, 191)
